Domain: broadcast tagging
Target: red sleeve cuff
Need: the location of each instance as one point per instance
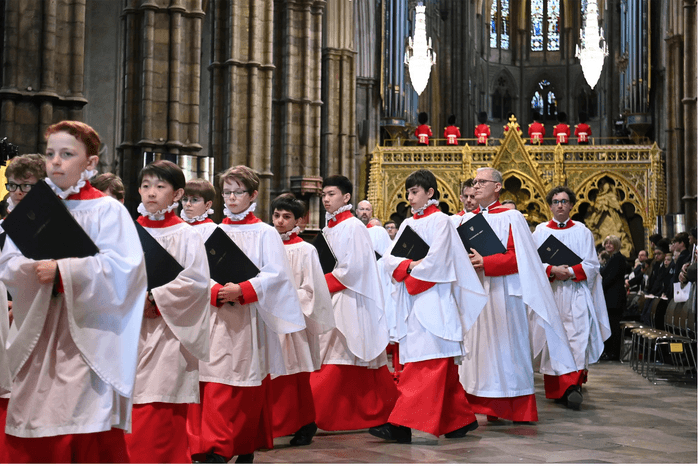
(333, 284)
(249, 295)
(157, 310)
(580, 275)
(59, 282)
(214, 295)
(401, 272)
(548, 271)
(415, 286)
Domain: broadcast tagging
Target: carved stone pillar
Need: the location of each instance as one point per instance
(161, 85)
(690, 108)
(241, 89)
(674, 118)
(338, 92)
(43, 69)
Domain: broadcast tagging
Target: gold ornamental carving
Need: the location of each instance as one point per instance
(614, 184)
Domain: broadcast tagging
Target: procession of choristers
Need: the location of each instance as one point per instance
(173, 339)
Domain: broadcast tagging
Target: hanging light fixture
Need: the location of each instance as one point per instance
(419, 53)
(593, 49)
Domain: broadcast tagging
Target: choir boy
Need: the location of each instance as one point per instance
(174, 334)
(354, 389)
(293, 404)
(235, 417)
(498, 371)
(73, 362)
(439, 298)
(196, 206)
(578, 292)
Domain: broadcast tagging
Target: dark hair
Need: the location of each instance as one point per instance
(339, 181)
(561, 189)
(288, 202)
(662, 245)
(164, 170)
(425, 179)
(655, 238)
(245, 176)
(682, 237)
(111, 182)
(201, 187)
(467, 184)
(24, 166)
(80, 131)
(388, 222)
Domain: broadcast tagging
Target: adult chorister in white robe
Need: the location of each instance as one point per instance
(581, 304)
(245, 347)
(171, 345)
(435, 305)
(354, 353)
(498, 370)
(293, 406)
(73, 361)
(381, 242)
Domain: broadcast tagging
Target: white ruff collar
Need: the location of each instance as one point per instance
(345, 208)
(157, 216)
(427, 204)
(242, 215)
(10, 204)
(84, 176)
(286, 236)
(198, 218)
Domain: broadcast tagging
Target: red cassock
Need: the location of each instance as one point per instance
(583, 132)
(562, 133)
(423, 133)
(482, 132)
(451, 134)
(536, 132)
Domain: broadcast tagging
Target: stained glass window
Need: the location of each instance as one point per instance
(536, 34)
(499, 27)
(552, 25)
(536, 103)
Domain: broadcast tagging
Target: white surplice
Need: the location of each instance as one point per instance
(432, 324)
(172, 344)
(245, 344)
(581, 304)
(499, 362)
(302, 350)
(381, 242)
(5, 378)
(361, 334)
(74, 357)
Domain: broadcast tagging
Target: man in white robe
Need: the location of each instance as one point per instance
(498, 370)
(466, 195)
(354, 389)
(578, 292)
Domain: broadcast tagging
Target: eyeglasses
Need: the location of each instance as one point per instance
(24, 187)
(482, 182)
(236, 194)
(560, 202)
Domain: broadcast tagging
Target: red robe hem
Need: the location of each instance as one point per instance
(158, 433)
(519, 408)
(292, 403)
(98, 447)
(556, 385)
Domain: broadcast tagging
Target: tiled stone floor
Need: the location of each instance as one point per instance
(623, 419)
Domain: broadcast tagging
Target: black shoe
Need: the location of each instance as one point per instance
(462, 431)
(574, 397)
(245, 458)
(215, 458)
(304, 435)
(521, 422)
(387, 431)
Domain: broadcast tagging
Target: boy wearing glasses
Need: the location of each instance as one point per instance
(498, 371)
(196, 206)
(22, 173)
(235, 416)
(578, 292)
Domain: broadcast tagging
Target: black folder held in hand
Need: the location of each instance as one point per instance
(410, 245)
(325, 253)
(42, 227)
(161, 267)
(476, 233)
(227, 263)
(554, 252)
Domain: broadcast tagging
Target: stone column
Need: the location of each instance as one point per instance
(690, 108)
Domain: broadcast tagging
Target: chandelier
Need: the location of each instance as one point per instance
(593, 49)
(419, 53)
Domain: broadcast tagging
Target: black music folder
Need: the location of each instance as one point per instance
(3, 235)
(325, 253)
(477, 233)
(161, 267)
(410, 245)
(42, 227)
(554, 252)
(227, 262)
(376, 254)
